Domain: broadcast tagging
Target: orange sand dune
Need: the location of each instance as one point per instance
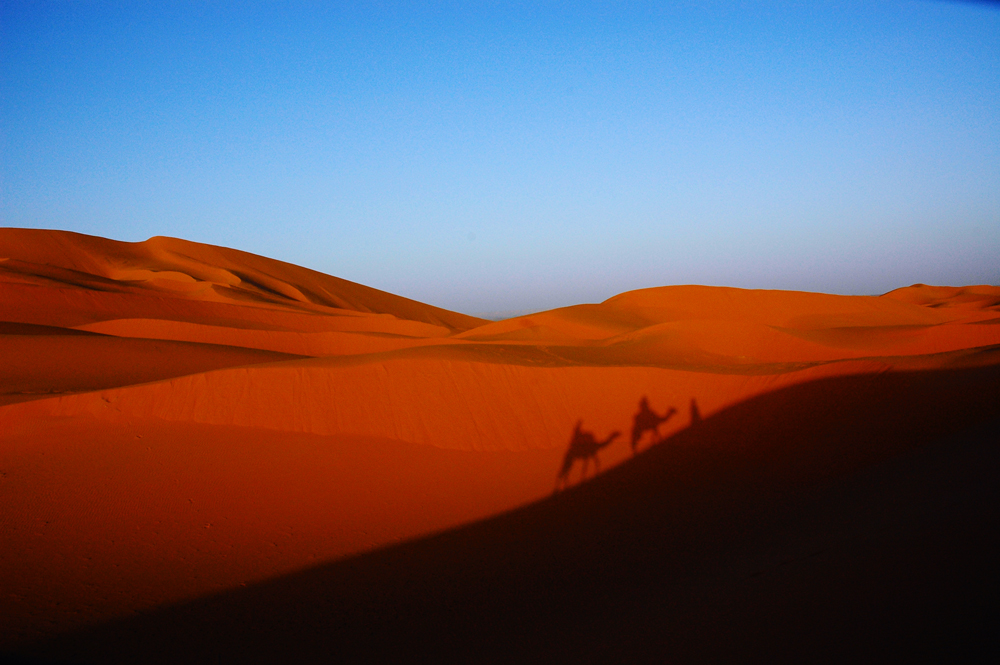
(804, 524)
(366, 338)
(183, 269)
(40, 361)
(114, 519)
(180, 419)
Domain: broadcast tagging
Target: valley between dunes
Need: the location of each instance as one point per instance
(179, 422)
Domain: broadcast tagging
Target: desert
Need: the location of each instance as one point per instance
(560, 332)
(211, 456)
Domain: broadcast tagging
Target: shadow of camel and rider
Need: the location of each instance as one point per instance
(647, 420)
(584, 445)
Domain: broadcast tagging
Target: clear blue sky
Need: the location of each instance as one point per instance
(496, 156)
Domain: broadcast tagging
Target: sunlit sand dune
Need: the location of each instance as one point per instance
(178, 268)
(178, 419)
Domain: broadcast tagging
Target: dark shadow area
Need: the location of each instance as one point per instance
(29, 329)
(583, 446)
(647, 420)
(14, 659)
(844, 519)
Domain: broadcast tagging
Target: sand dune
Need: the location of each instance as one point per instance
(774, 527)
(179, 419)
(179, 268)
(40, 365)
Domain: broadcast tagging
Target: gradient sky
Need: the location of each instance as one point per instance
(490, 157)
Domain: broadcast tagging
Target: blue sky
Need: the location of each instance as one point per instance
(491, 157)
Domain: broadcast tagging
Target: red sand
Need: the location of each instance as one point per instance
(180, 419)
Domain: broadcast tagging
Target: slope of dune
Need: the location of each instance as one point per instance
(179, 269)
(863, 530)
(980, 297)
(178, 419)
(40, 361)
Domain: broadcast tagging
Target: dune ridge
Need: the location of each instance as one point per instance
(184, 269)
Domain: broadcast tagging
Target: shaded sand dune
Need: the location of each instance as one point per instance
(42, 360)
(179, 420)
(772, 529)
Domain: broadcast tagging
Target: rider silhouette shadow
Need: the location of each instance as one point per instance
(583, 446)
(647, 420)
(695, 413)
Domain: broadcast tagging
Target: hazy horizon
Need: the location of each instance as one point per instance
(497, 159)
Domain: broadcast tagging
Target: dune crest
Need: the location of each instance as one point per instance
(220, 274)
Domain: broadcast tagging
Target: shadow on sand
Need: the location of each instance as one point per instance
(647, 420)
(837, 519)
(583, 446)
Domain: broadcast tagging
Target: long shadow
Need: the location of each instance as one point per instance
(647, 420)
(583, 446)
(837, 519)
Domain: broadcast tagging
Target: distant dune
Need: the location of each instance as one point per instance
(179, 420)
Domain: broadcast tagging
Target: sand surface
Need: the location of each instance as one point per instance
(179, 420)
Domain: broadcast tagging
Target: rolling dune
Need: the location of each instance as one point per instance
(178, 420)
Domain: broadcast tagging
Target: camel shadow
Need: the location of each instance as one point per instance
(583, 446)
(647, 420)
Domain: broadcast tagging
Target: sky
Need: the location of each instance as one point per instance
(512, 157)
